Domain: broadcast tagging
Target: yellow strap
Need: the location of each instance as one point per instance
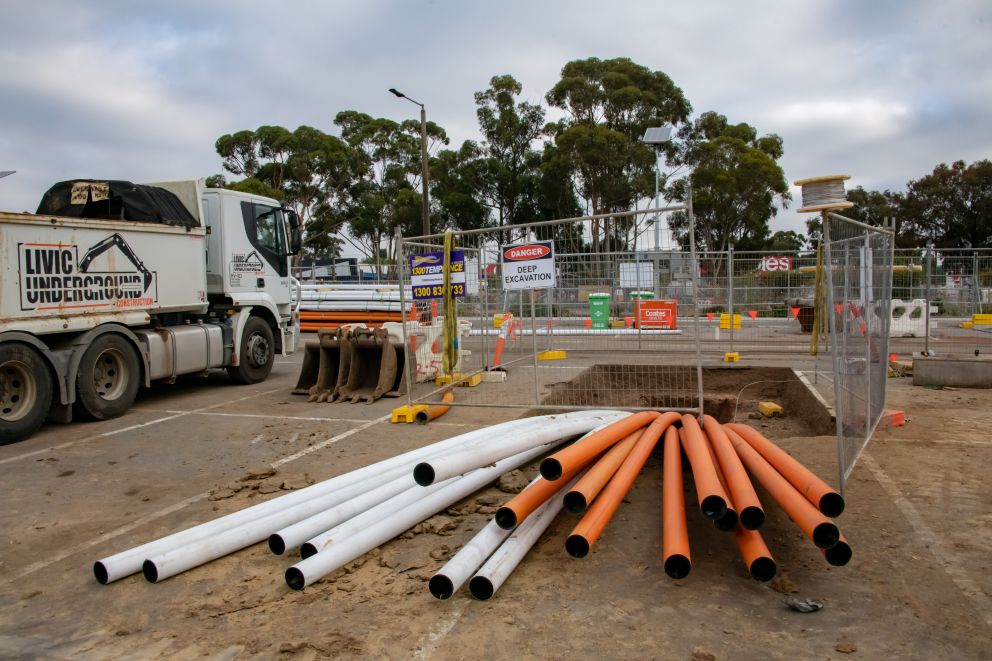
(450, 357)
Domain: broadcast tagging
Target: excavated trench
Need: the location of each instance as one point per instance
(727, 391)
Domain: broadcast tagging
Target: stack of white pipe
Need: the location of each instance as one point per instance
(335, 501)
(355, 298)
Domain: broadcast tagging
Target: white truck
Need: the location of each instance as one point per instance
(91, 308)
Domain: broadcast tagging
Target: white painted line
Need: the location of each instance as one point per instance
(933, 543)
(297, 417)
(294, 437)
(256, 439)
(330, 441)
(429, 642)
(180, 414)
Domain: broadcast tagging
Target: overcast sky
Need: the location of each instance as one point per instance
(882, 91)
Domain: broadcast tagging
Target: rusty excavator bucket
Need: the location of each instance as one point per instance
(378, 366)
(326, 365)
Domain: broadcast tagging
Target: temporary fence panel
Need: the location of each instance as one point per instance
(859, 260)
(553, 321)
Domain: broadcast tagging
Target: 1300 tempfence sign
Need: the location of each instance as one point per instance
(427, 274)
(528, 265)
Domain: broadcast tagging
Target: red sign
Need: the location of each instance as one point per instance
(775, 263)
(657, 314)
(522, 253)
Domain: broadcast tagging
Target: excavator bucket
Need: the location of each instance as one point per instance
(378, 366)
(308, 374)
(325, 365)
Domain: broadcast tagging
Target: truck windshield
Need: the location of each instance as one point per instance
(270, 228)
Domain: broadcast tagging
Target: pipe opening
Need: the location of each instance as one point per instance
(421, 419)
(677, 566)
(577, 546)
(575, 502)
(831, 504)
(752, 518)
(307, 550)
(839, 555)
(481, 587)
(728, 521)
(150, 571)
(551, 469)
(506, 518)
(423, 474)
(713, 507)
(441, 586)
(763, 569)
(826, 535)
(101, 573)
(276, 544)
(295, 578)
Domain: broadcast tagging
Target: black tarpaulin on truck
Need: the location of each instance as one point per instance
(115, 200)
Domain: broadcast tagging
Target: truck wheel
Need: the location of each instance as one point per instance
(25, 392)
(107, 379)
(256, 353)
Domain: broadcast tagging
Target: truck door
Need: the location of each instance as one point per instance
(266, 230)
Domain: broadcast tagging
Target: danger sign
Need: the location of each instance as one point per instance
(528, 265)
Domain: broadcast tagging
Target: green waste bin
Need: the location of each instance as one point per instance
(599, 310)
(637, 296)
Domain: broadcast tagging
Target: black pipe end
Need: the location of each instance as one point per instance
(506, 518)
(727, 522)
(752, 518)
(421, 418)
(423, 474)
(551, 469)
(713, 507)
(481, 588)
(276, 544)
(307, 550)
(577, 546)
(150, 571)
(101, 573)
(763, 569)
(839, 554)
(575, 502)
(677, 566)
(832, 504)
(295, 578)
(441, 586)
(826, 535)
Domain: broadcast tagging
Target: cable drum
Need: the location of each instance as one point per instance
(823, 193)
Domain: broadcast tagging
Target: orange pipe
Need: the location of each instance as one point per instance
(675, 533)
(713, 498)
(586, 490)
(818, 492)
(436, 411)
(518, 508)
(760, 563)
(591, 526)
(738, 484)
(839, 554)
(727, 522)
(815, 525)
(579, 454)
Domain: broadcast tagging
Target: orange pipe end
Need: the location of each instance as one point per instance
(810, 520)
(580, 542)
(586, 489)
(839, 554)
(553, 467)
(675, 532)
(436, 411)
(737, 483)
(818, 492)
(758, 559)
(713, 499)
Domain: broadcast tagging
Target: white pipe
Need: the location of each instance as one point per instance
(506, 558)
(469, 558)
(459, 462)
(581, 331)
(125, 563)
(345, 550)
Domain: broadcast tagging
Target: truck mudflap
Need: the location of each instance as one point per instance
(326, 366)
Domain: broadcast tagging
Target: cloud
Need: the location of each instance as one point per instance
(864, 118)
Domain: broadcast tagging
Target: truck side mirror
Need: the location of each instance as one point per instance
(295, 237)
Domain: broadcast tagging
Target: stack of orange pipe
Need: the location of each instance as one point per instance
(585, 490)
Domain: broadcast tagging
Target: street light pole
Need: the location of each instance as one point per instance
(424, 172)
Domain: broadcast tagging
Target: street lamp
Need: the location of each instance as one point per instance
(655, 137)
(423, 157)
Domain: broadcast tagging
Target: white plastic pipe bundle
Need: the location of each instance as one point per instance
(506, 558)
(469, 558)
(580, 331)
(125, 563)
(347, 549)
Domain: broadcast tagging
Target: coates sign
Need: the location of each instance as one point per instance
(528, 265)
(773, 263)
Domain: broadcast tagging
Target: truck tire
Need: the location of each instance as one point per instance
(107, 379)
(256, 353)
(25, 392)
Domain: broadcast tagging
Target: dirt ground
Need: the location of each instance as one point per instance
(919, 518)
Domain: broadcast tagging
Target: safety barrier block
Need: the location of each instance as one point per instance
(731, 357)
(769, 409)
(551, 355)
(981, 320)
(407, 413)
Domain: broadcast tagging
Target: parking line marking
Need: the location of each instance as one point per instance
(179, 414)
(429, 643)
(329, 441)
(298, 417)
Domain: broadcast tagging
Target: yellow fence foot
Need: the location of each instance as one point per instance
(551, 355)
(769, 409)
(407, 413)
(731, 357)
